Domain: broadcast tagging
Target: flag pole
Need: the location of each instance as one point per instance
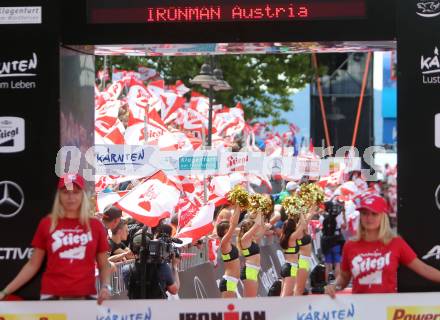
(146, 124)
(103, 74)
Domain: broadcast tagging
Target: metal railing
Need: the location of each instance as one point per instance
(191, 257)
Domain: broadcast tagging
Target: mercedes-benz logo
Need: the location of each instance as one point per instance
(276, 165)
(11, 199)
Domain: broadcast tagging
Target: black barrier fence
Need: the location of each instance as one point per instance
(201, 279)
(198, 283)
(29, 117)
(418, 43)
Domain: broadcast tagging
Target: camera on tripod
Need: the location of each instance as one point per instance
(154, 251)
(152, 257)
(160, 250)
(334, 208)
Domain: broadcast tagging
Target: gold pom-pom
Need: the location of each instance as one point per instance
(238, 195)
(294, 206)
(311, 194)
(260, 203)
(92, 202)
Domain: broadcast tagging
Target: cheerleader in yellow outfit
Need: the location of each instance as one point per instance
(247, 243)
(225, 230)
(305, 257)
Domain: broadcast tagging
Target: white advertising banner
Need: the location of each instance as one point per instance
(368, 306)
(306, 167)
(20, 15)
(142, 161)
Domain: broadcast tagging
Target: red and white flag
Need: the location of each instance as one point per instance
(114, 91)
(116, 134)
(171, 103)
(138, 103)
(135, 133)
(179, 88)
(107, 199)
(193, 120)
(201, 225)
(186, 142)
(106, 117)
(186, 211)
(334, 179)
(213, 245)
(156, 90)
(147, 73)
(152, 200)
(200, 103)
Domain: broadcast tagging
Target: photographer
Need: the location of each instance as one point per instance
(333, 221)
(152, 276)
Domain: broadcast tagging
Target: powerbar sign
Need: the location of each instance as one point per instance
(15, 253)
(20, 15)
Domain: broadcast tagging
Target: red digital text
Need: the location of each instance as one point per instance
(234, 12)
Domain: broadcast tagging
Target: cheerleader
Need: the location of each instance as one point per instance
(305, 256)
(225, 230)
(247, 243)
(292, 231)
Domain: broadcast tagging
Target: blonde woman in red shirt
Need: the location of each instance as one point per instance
(372, 259)
(72, 241)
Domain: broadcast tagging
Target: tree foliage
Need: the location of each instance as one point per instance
(262, 83)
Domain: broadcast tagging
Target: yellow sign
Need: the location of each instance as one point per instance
(414, 313)
(34, 316)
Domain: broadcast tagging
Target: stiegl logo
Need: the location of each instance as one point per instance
(430, 67)
(428, 8)
(228, 315)
(11, 134)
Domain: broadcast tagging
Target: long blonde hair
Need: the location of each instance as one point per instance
(385, 232)
(58, 211)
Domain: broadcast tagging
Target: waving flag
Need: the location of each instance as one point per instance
(158, 133)
(201, 225)
(156, 89)
(334, 179)
(116, 134)
(152, 200)
(106, 117)
(171, 103)
(180, 88)
(187, 142)
(114, 91)
(138, 103)
(147, 73)
(186, 211)
(199, 103)
(107, 199)
(193, 120)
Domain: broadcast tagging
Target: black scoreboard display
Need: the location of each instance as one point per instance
(184, 11)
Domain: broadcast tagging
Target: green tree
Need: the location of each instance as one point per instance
(262, 83)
